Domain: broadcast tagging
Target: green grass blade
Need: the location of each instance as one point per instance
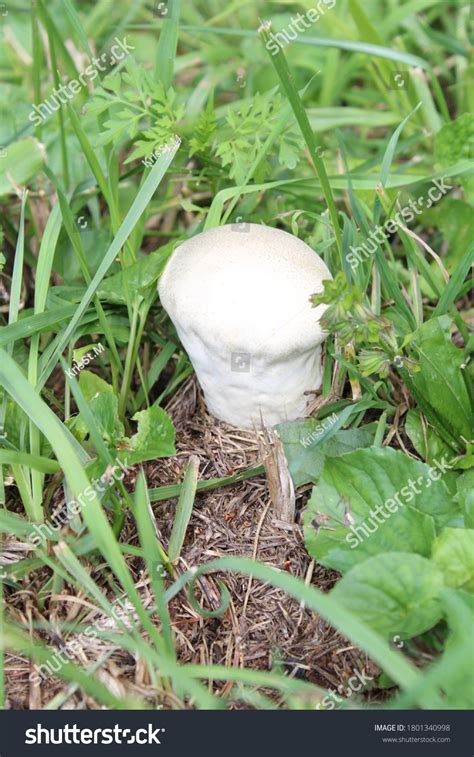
(76, 241)
(43, 274)
(76, 25)
(13, 639)
(260, 678)
(138, 207)
(18, 387)
(17, 276)
(451, 293)
(283, 72)
(26, 327)
(42, 464)
(63, 52)
(372, 50)
(91, 158)
(167, 43)
(183, 509)
(392, 146)
(37, 59)
(158, 364)
(394, 664)
(169, 492)
(15, 297)
(154, 558)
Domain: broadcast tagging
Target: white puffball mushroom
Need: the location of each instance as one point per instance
(239, 297)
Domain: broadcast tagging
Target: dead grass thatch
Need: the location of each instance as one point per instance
(262, 628)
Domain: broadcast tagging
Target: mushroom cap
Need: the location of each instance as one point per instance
(246, 288)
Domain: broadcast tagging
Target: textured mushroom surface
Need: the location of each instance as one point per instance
(239, 297)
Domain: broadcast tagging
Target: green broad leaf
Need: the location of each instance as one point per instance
(372, 501)
(465, 496)
(91, 384)
(440, 380)
(66, 262)
(458, 656)
(104, 408)
(453, 553)
(155, 435)
(15, 419)
(466, 462)
(395, 593)
(21, 162)
(86, 352)
(154, 438)
(306, 458)
(424, 438)
(136, 277)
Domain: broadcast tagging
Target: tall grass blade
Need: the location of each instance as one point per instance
(183, 509)
(281, 67)
(138, 207)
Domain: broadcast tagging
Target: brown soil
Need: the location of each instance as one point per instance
(262, 627)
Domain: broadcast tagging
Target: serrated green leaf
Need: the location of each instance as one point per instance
(154, 438)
